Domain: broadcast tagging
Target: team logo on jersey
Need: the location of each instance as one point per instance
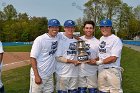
(89, 53)
(102, 48)
(72, 49)
(53, 48)
(102, 44)
(72, 46)
(87, 47)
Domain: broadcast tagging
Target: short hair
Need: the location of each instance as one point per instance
(89, 22)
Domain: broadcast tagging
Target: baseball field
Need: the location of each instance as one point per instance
(16, 80)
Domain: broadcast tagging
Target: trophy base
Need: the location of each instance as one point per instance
(83, 58)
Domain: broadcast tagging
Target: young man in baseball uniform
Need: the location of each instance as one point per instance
(88, 71)
(66, 71)
(1, 58)
(43, 59)
(110, 47)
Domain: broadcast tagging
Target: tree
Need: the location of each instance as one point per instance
(19, 26)
(10, 12)
(2, 16)
(125, 19)
(137, 12)
(38, 26)
(23, 16)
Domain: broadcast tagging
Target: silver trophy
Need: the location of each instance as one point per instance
(82, 54)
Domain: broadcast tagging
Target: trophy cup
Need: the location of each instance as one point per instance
(82, 54)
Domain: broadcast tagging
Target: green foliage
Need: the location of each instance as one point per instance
(24, 48)
(10, 12)
(126, 19)
(20, 27)
(98, 33)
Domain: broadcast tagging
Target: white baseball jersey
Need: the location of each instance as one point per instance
(1, 48)
(86, 69)
(1, 51)
(43, 50)
(110, 46)
(67, 49)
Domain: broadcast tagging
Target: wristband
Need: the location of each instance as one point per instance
(61, 59)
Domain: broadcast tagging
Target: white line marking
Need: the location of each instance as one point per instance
(15, 62)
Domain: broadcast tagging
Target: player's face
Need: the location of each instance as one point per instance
(69, 30)
(88, 30)
(53, 31)
(106, 31)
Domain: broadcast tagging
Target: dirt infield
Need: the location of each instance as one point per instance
(13, 60)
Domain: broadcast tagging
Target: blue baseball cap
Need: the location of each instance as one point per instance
(69, 23)
(53, 22)
(106, 22)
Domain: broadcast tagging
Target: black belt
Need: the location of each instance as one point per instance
(109, 67)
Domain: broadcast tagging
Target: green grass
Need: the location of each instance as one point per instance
(24, 48)
(17, 80)
(131, 75)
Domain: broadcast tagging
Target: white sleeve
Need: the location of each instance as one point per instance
(60, 35)
(60, 49)
(97, 48)
(117, 48)
(1, 48)
(97, 51)
(36, 48)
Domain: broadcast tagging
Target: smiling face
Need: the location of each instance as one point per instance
(69, 31)
(106, 31)
(53, 31)
(88, 30)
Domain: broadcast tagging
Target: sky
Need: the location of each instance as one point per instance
(132, 3)
(61, 10)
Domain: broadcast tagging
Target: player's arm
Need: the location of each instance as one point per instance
(108, 60)
(76, 37)
(63, 59)
(1, 53)
(75, 62)
(115, 52)
(1, 57)
(38, 79)
(93, 61)
(35, 52)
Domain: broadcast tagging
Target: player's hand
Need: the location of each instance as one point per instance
(38, 80)
(76, 62)
(99, 62)
(91, 62)
(76, 37)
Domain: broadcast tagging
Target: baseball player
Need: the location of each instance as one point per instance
(66, 71)
(1, 57)
(88, 71)
(110, 47)
(43, 59)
